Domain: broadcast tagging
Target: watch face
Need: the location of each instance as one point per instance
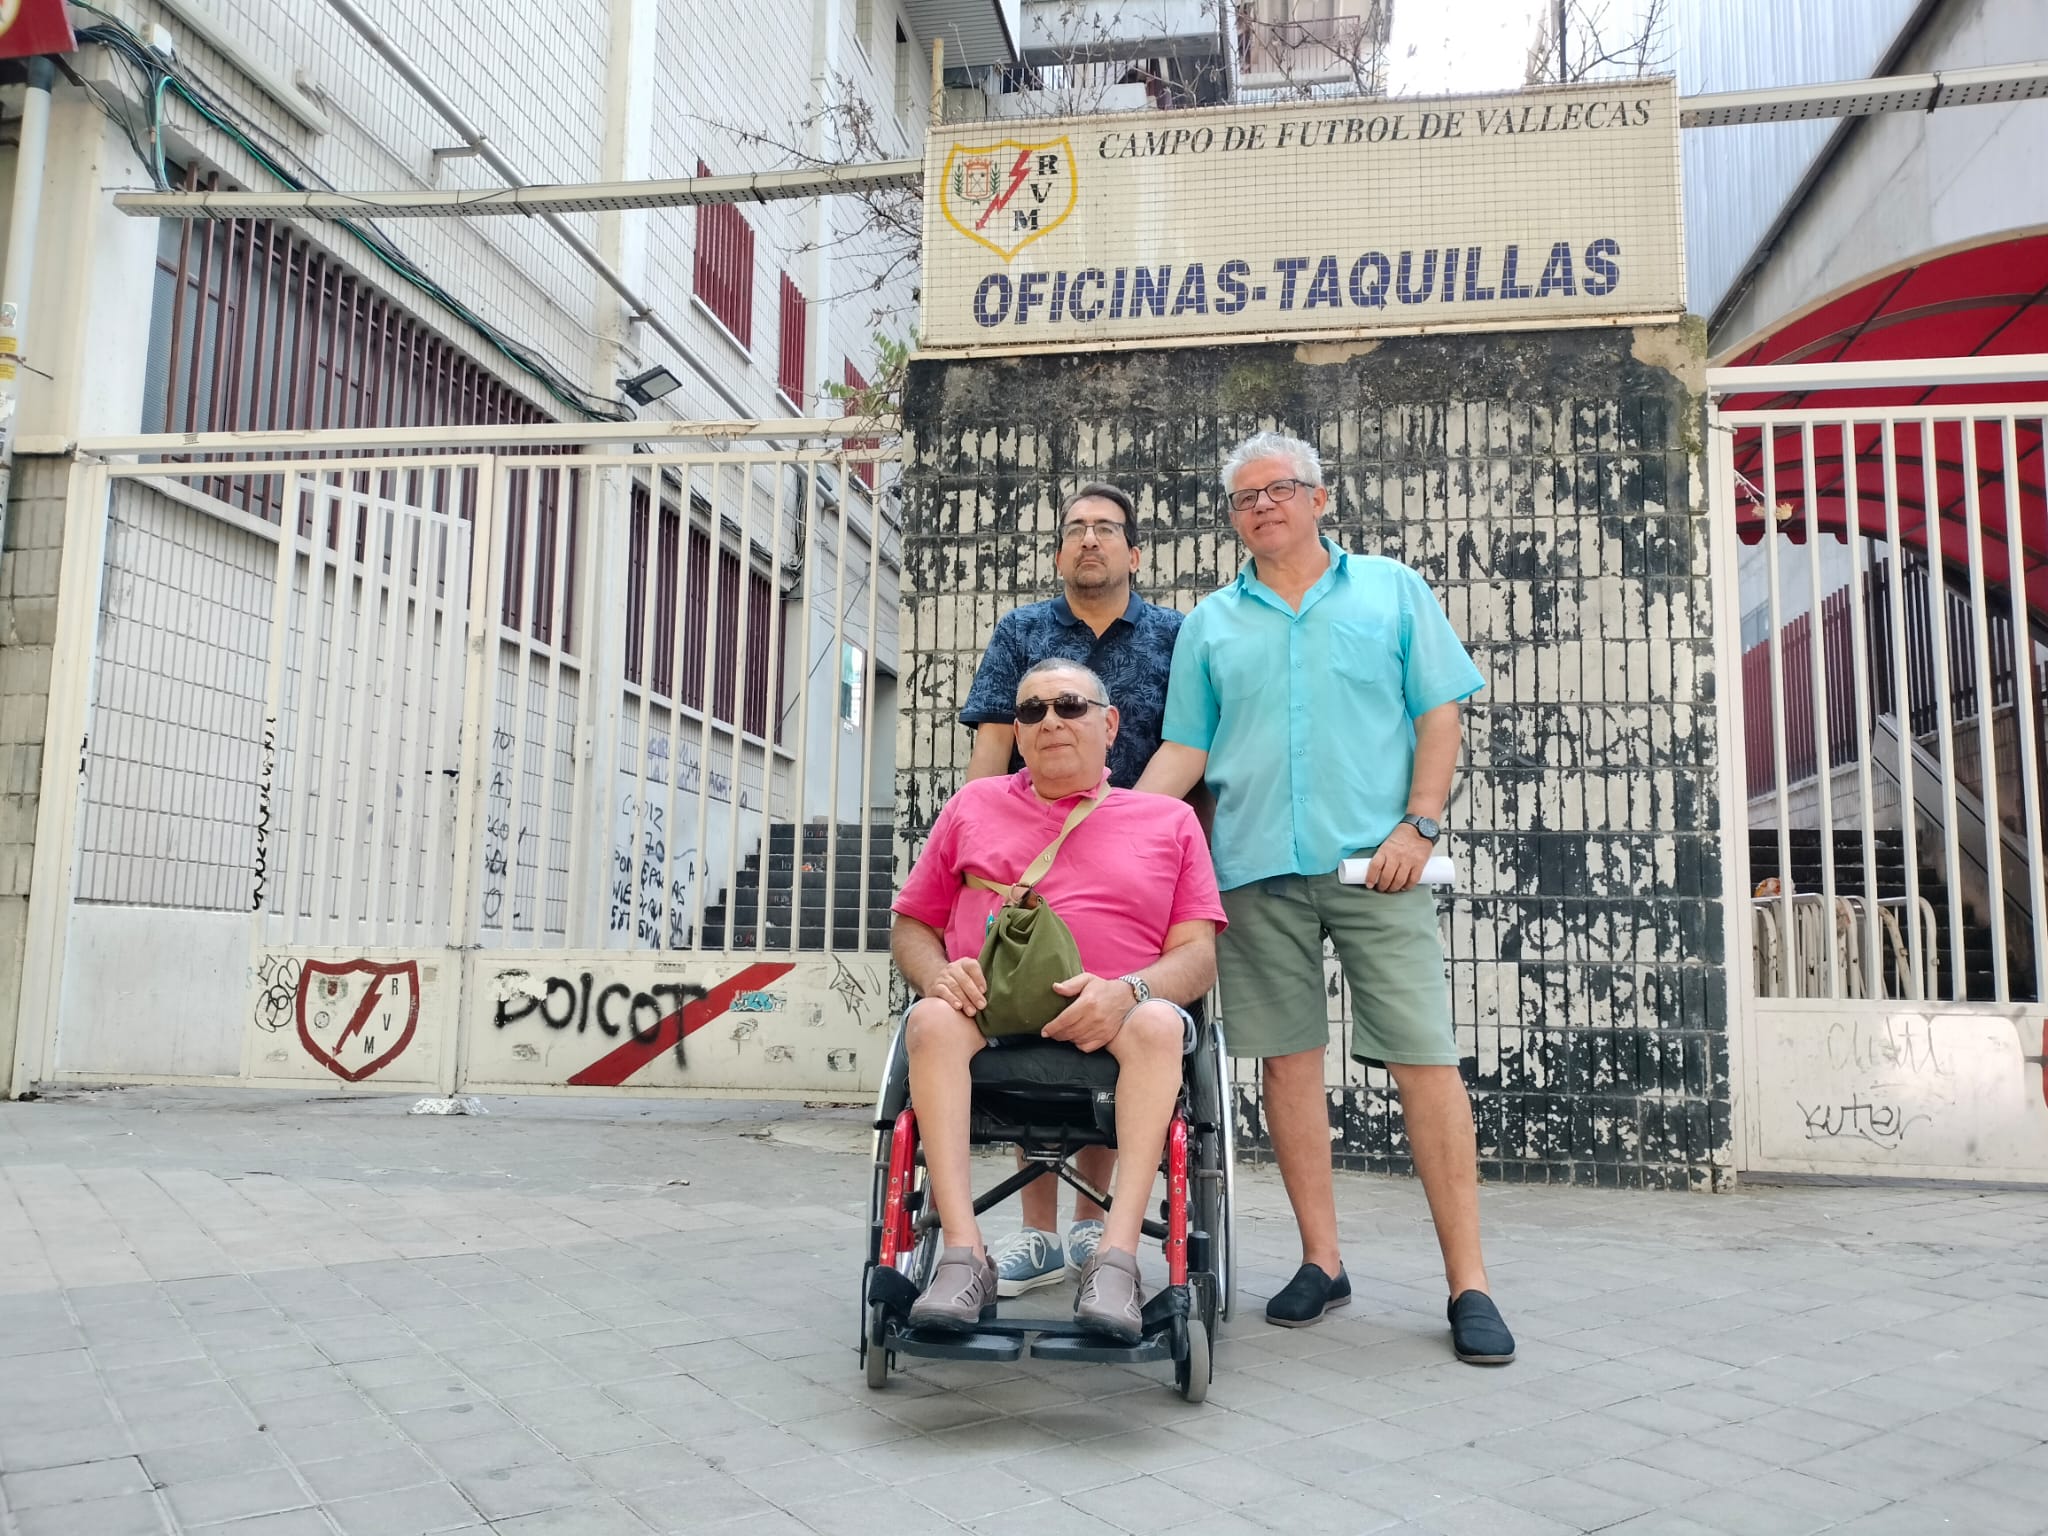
(1426, 827)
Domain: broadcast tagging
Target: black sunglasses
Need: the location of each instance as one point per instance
(1068, 706)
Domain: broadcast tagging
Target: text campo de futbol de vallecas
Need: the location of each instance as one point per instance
(1371, 280)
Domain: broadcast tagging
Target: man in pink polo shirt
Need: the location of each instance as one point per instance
(1134, 883)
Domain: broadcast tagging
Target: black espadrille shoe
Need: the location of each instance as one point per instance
(1308, 1296)
(1477, 1332)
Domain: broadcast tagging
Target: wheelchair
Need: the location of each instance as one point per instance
(1051, 1100)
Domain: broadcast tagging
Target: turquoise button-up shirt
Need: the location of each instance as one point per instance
(1309, 718)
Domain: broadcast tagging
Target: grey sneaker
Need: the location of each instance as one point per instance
(1109, 1301)
(962, 1293)
(1026, 1260)
(1083, 1238)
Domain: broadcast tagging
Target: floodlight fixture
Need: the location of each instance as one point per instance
(655, 384)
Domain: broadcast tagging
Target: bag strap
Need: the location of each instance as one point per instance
(1036, 871)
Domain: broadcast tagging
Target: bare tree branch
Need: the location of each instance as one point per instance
(1596, 39)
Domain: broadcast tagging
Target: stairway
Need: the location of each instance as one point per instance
(1891, 883)
(795, 890)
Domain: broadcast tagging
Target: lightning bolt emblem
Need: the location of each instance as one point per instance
(1018, 172)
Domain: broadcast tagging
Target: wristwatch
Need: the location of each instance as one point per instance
(1430, 828)
(1139, 991)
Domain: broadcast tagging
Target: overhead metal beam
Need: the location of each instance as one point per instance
(547, 435)
(1984, 86)
(473, 202)
(1726, 109)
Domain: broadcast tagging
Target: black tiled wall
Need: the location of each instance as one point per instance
(1550, 488)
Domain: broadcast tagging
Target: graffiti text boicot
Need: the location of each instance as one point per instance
(584, 1001)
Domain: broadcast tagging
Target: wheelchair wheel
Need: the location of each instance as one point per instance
(1216, 1181)
(1191, 1376)
(1226, 1265)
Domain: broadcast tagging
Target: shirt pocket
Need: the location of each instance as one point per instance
(1364, 653)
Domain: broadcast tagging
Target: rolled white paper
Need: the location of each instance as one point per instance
(1438, 871)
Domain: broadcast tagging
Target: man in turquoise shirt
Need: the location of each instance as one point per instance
(1318, 695)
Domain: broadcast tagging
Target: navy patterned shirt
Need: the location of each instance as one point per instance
(1133, 657)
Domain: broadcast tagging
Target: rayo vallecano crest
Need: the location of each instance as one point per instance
(355, 1017)
(1005, 195)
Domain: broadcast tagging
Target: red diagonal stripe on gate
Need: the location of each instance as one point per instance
(611, 1070)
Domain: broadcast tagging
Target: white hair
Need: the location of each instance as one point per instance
(1308, 464)
(1061, 664)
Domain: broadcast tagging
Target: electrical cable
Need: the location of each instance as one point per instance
(157, 79)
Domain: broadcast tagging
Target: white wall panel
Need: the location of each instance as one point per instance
(151, 991)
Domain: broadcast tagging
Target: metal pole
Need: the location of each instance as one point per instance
(637, 307)
(19, 276)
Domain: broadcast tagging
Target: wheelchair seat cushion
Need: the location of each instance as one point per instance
(1026, 1065)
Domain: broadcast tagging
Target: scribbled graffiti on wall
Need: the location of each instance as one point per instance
(1910, 1094)
(639, 913)
(276, 980)
(266, 782)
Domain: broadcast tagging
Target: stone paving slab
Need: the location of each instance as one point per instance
(278, 1315)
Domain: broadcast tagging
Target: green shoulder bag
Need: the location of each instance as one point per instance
(1028, 948)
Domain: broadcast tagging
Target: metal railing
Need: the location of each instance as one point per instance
(1799, 962)
(500, 701)
(1861, 488)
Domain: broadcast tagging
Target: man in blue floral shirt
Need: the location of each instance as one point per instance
(1101, 623)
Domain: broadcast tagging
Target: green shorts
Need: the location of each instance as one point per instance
(1270, 959)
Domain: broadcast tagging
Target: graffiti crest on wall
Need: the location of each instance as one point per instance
(356, 1017)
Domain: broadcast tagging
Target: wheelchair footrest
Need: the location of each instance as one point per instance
(955, 1346)
(1092, 1346)
(1051, 1338)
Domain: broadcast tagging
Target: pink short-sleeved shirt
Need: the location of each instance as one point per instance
(1133, 869)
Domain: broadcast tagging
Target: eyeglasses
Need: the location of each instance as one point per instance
(1073, 533)
(1068, 706)
(1281, 491)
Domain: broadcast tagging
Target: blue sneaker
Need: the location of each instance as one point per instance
(1026, 1260)
(1083, 1238)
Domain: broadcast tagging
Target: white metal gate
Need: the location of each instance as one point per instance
(457, 758)
(1883, 571)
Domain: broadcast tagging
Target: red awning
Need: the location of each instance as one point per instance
(1984, 301)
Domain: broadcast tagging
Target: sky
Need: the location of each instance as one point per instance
(1442, 46)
